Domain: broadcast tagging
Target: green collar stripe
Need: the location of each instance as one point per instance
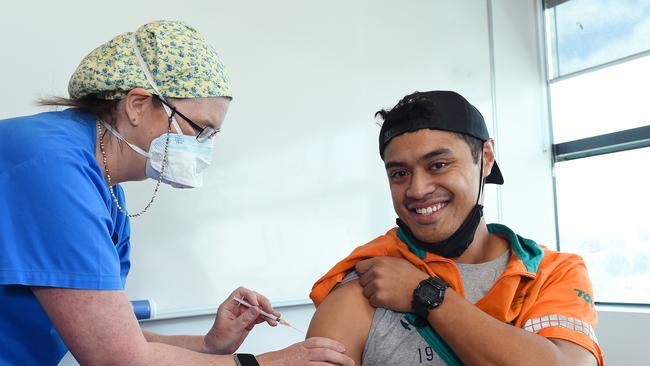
(421, 253)
(527, 250)
(436, 342)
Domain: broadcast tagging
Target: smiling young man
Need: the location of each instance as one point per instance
(443, 287)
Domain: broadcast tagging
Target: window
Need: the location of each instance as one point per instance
(603, 205)
(587, 33)
(599, 85)
(603, 101)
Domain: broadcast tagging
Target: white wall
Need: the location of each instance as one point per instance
(522, 136)
(296, 168)
(622, 334)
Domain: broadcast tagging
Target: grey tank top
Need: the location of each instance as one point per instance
(393, 340)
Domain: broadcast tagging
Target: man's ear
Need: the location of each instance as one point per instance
(136, 104)
(488, 157)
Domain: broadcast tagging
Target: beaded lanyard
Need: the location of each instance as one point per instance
(108, 175)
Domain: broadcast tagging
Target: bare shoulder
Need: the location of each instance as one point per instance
(345, 316)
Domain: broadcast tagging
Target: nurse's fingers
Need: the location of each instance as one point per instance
(248, 318)
(246, 294)
(266, 304)
(257, 300)
(233, 306)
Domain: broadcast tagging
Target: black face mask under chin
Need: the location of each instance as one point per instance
(456, 244)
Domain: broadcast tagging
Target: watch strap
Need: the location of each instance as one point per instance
(245, 359)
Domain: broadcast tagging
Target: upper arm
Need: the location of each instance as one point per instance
(574, 354)
(98, 327)
(345, 316)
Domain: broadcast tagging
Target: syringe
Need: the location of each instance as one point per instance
(264, 313)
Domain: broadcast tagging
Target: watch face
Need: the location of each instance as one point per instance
(427, 296)
(429, 293)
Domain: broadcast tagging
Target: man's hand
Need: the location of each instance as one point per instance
(314, 351)
(233, 321)
(388, 282)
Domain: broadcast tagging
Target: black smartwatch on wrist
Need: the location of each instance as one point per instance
(429, 294)
(245, 359)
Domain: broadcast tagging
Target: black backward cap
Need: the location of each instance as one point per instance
(451, 112)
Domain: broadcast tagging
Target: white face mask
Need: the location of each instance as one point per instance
(187, 158)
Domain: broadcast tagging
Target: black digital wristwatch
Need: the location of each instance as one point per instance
(429, 294)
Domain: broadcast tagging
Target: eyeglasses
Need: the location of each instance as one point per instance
(202, 133)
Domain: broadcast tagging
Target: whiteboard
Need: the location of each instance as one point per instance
(296, 181)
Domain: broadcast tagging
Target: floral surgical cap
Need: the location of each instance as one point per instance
(181, 61)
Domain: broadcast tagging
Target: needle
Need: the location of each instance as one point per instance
(264, 313)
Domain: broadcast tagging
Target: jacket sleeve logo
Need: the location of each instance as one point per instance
(585, 296)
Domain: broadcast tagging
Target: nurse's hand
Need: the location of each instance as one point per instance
(233, 321)
(314, 351)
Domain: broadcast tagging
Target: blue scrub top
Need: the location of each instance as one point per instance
(59, 227)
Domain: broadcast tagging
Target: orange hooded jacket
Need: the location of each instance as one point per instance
(540, 290)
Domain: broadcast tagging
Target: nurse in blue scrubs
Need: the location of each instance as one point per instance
(146, 104)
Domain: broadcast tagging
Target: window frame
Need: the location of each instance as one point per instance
(609, 143)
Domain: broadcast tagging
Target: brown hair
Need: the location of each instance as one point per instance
(91, 103)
